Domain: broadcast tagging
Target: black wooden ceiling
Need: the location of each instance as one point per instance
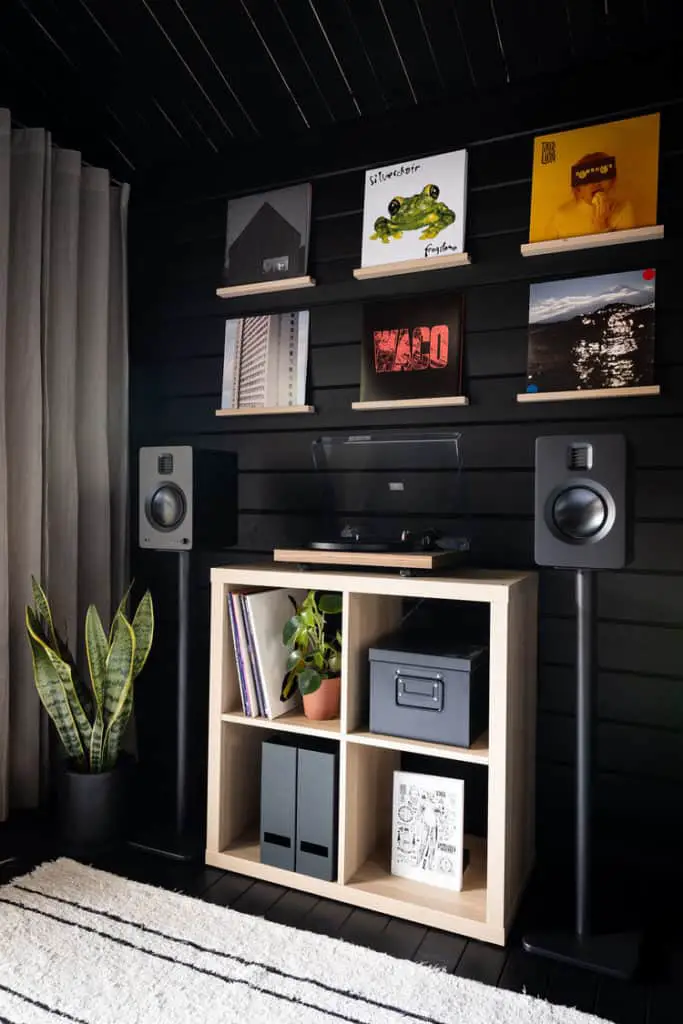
(133, 82)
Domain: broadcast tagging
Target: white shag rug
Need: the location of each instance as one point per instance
(80, 946)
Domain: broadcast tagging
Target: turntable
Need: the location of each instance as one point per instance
(372, 488)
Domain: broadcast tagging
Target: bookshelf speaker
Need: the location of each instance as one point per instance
(187, 498)
(582, 514)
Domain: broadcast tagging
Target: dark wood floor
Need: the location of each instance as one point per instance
(655, 997)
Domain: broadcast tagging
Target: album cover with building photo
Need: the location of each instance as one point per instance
(596, 179)
(267, 236)
(412, 348)
(587, 333)
(265, 361)
(415, 210)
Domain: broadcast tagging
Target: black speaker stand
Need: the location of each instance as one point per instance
(616, 954)
(173, 842)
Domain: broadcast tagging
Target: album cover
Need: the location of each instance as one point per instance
(415, 210)
(427, 829)
(592, 332)
(267, 236)
(265, 361)
(412, 348)
(596, 179)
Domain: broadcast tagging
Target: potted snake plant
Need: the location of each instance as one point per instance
(314, 662)
(90, 716)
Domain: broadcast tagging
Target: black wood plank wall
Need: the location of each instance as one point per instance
(177, 338)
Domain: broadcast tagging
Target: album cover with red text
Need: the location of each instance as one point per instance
(412, 348)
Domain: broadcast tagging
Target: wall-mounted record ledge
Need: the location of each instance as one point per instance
(565, 396)
(262, 287)
(413, 403)
(592, 241)
(458, 259)
(274, 410)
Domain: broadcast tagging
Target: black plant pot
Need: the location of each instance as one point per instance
(91, 809)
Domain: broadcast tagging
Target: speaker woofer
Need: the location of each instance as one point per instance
(579, 513)
(166, 508)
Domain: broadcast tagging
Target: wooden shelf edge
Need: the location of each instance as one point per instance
(625, 237)
(478, 753)
(355, 895)
(285, 284)
(292, 721)
(464, 584)
(276, 410)
(458, 259)
(413, 403)
(249, 865)
(646, 391)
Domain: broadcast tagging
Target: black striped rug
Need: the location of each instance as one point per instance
(83, 946)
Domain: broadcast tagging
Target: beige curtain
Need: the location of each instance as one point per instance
(63, 416)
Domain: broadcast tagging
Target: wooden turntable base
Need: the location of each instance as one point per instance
(426, 561)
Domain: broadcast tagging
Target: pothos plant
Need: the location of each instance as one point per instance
(314, 650)
(90, 716)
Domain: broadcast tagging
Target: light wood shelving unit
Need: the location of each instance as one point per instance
(284, 284)
(456, 259)
(625, 237)
(646, 391)
(373, 606)
(272, 410)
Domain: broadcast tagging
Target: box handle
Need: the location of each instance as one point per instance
(415, 692)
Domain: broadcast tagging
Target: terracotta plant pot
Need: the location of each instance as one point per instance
(324, 702)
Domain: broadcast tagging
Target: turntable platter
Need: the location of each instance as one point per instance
(353, 545)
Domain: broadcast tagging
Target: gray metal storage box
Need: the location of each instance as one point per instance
(423, 690)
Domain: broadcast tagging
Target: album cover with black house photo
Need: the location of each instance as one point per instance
(267, 236)
(412, 348)
(591, 333)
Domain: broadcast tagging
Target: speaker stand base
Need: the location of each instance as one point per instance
(615, 955)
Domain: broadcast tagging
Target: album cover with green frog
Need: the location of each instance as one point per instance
(415, 210)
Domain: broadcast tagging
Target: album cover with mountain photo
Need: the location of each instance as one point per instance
(412, 348)
(267, 236)
(587, 333)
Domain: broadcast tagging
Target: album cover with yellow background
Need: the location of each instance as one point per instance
(596, 179)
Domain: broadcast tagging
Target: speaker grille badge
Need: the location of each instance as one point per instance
(165, 465)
